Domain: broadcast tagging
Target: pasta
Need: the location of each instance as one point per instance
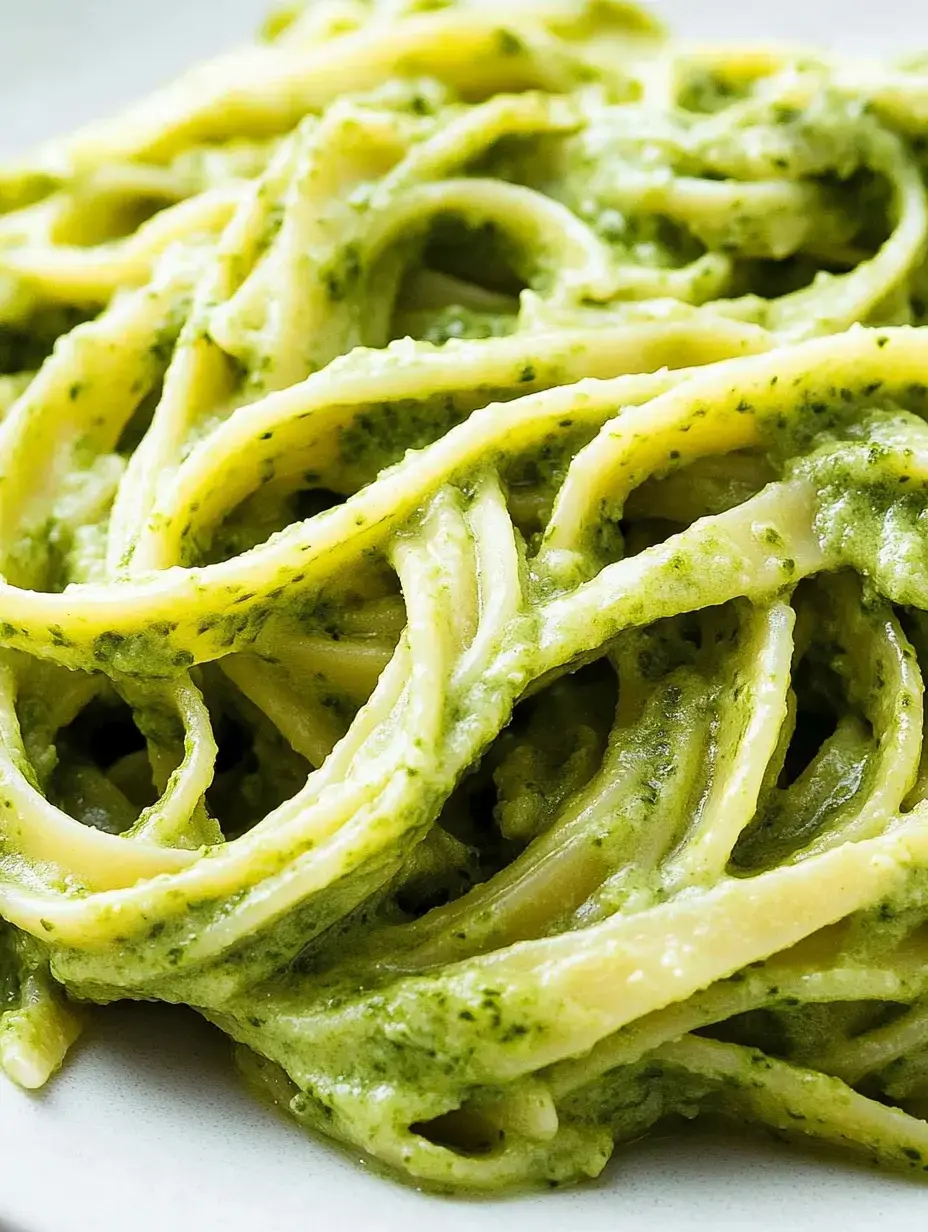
(464, 598)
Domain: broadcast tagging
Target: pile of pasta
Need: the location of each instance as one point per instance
(464, 599)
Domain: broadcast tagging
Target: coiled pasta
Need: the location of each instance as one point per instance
(463, 489)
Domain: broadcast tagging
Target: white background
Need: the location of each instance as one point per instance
(146, 1130)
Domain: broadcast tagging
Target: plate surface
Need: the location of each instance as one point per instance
(147, 1128)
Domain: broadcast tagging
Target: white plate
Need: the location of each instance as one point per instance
(147, 1128)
